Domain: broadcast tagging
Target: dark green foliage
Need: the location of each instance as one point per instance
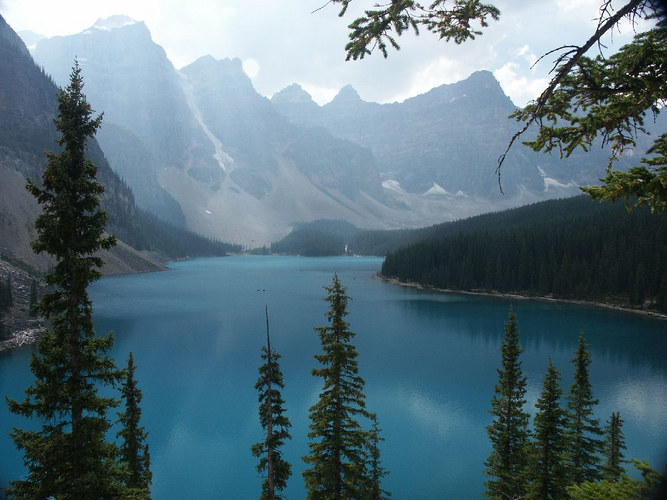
(571, 249)
(275, 423)
(610, 97)
(449, 20)
(152, 233)
(650, 487)
(646, 183)
(509, 431)
(316, 239)
(325, 238)
(69, 457)
(134, 455)
(614, 444)
(338, 444)
(583, 430)
(375, 470)
(546, 471)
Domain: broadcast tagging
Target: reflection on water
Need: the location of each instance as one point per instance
(429, 361)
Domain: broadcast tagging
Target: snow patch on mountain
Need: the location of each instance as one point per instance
(436, 190)
(457, 98)
(550, 183)
(393, 185)
(221, 156)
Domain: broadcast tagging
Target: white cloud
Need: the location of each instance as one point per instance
(321, 95)
(567, 6)
(291, 44)
(440, 71)
(518, 86)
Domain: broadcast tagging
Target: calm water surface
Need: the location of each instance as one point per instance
(429, 361)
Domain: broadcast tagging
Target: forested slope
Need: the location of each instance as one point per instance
(570, 249)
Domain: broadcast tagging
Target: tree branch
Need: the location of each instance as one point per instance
(535, 115)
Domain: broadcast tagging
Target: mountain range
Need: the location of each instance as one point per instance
(201, 148)
(28, 106)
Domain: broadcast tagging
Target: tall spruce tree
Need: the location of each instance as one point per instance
(275, 423)
(338, 443)
(614, 444)
(583, 430)
(546, 470)
(509, 431)
(69, 457)
(134, 454)
(375, 470)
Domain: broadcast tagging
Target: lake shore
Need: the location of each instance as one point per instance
(615, 307)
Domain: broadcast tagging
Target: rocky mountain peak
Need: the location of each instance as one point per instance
(113, 22)
(293, 94)
(224, 73)
(347, 95)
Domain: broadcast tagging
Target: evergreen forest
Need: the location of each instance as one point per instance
(569, 249)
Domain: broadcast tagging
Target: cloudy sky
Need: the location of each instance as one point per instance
(287, 41)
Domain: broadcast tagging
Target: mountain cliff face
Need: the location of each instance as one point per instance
(128, 77)
(444, 141)
(202, 142)
(201, 147)
(28, 105)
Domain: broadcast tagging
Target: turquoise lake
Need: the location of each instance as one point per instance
(429, 360)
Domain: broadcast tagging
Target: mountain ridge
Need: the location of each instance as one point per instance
(232, 164)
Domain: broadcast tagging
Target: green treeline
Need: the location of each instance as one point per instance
(316, 239)
(585, 251)
(155, 234)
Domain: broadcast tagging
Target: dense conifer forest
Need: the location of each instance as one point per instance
(154, 234)
(569, 249)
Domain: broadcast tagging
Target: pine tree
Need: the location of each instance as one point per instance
(134, 455)
(338, 443)
(509, 431)
(375, 470)
(614, 444)
(583, 431)
(546, 471)
(69, 457)
(275, 423)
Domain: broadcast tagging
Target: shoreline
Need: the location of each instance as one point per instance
(604, 305)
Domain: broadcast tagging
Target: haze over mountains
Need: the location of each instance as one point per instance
(28, 105)
(27, 108)
(201, 148)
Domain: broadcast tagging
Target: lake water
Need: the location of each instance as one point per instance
(429, 361)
